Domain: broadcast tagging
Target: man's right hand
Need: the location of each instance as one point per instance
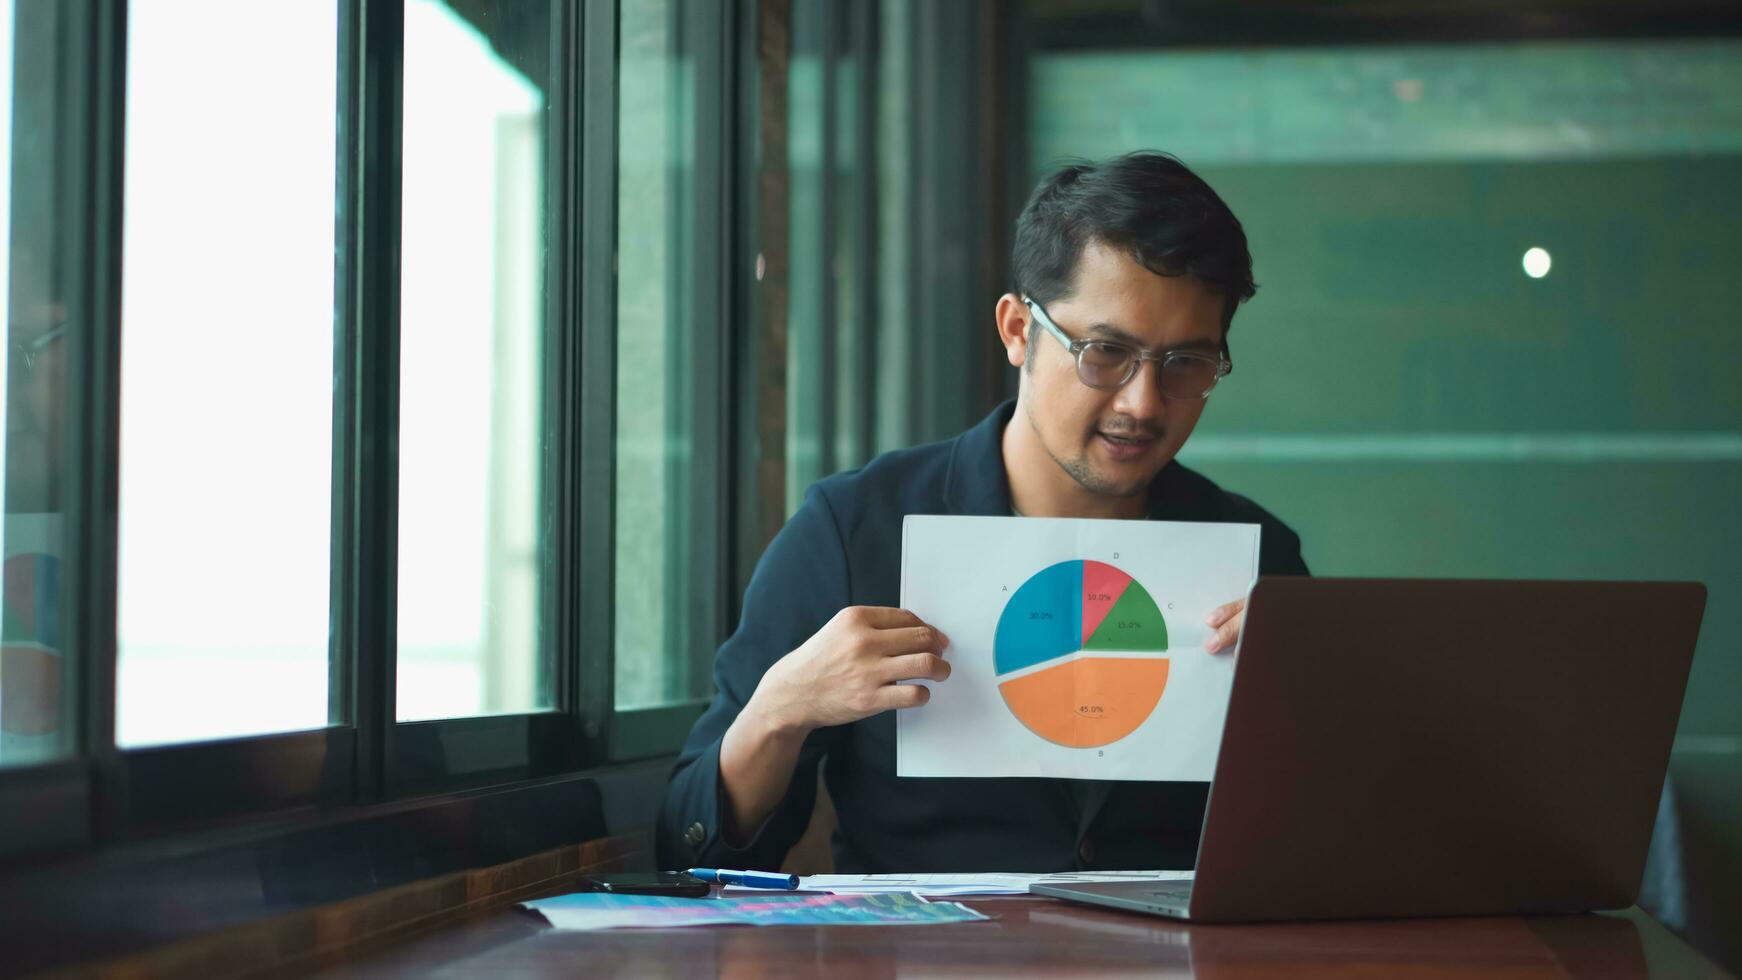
(852, 669)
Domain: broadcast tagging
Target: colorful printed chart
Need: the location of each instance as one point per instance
(1064, 635)
(1078, 654)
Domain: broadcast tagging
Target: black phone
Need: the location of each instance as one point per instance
(672, 884)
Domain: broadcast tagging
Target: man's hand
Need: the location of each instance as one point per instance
(851, 669)
(1226, 621)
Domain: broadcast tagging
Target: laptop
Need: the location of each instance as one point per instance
(1400, 747)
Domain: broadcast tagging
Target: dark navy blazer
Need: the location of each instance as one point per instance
(843, 548)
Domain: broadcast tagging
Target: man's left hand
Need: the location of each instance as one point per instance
(1225, 620)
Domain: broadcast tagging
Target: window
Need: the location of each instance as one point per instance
(833, 331)
(227, 384)
(307, 287)
(37, 674)
(655, 360)
(471, 382)
(423, 480)
(812, 336)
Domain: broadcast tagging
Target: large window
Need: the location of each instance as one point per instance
(412, 385)
(321, 270)
(226, 411)
(321, 380)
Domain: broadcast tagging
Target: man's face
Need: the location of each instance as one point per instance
(1115, 442)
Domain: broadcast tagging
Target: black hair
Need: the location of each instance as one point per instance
(1148, 204)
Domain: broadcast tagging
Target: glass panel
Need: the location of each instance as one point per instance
(471, 432)
(895, 422)
(36, 679)
(227, 369)
(654, 404)
(852, 177)
(809, 353)
(828, 351)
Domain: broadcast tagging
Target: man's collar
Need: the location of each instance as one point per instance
(977, 484)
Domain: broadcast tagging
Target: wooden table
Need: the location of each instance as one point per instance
(1034, 937)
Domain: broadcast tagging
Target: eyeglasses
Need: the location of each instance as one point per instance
(1109, 365)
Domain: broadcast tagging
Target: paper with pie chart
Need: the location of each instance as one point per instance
(1076, 645)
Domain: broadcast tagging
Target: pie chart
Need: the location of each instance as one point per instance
(1080, 654)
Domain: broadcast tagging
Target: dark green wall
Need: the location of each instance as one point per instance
(1445, 414)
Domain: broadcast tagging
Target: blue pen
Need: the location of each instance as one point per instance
(749, 879)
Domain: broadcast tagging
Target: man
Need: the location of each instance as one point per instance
(1126, 277)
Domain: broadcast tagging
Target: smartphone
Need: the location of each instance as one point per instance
(672, 884)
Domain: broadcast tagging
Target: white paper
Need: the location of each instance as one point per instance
(963, 574)
(984, 883)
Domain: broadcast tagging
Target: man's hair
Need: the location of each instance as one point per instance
(1148, 204)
